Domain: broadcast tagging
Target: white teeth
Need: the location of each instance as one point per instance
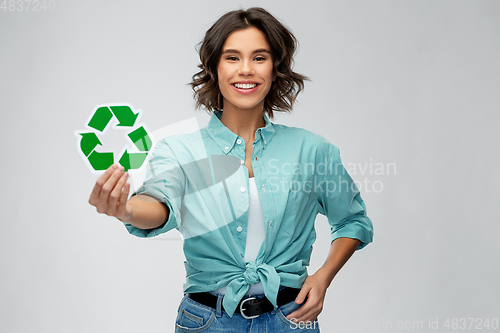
(245, 85)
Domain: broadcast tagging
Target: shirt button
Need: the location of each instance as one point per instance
(240, 229)
(263, 187)
(242, 162)
(238, 141)
(226, 148)
(242, 189)
(264, 141)
(270, 224)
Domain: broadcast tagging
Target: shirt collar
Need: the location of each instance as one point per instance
(226, 139)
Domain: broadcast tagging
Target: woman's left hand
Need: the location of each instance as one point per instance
(314, 288)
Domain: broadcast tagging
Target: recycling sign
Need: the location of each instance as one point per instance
(100, 120)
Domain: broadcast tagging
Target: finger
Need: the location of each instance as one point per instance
(309, 319)
(310, 310)
(96, 191)
(115, 194)
(121, 210)
(309, 316)
(299, 313)
(107, 188)
(306, 308)
(123, 197)
(304, 291)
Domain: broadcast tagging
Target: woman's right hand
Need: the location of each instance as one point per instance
(110, 194)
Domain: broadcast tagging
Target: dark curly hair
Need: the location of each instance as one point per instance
(286, 86)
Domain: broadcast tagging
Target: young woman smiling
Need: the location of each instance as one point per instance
(245, 75)
(247, 246)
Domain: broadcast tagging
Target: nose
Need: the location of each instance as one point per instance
(246, 68)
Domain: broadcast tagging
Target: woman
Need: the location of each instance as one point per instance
(243, 191)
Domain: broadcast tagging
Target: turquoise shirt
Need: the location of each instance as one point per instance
(202, 179)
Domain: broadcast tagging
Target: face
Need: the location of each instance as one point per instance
(245, 70)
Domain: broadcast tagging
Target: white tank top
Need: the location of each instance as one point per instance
(256, 234)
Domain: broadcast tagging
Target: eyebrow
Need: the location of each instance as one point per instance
(238, 52)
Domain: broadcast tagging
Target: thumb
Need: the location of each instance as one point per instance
(302, 294)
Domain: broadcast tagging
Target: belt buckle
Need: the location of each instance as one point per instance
(241, 308)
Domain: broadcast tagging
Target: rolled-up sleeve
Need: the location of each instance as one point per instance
(340, 201)
(165, 181)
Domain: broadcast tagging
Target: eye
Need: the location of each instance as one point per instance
(260, 58)
(232, 58)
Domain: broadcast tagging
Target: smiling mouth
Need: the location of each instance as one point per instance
(245, 85)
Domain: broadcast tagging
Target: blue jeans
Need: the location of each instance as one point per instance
(195, 317)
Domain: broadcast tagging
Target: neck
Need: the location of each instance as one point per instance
(243, 123)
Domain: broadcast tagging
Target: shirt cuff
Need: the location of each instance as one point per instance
(356, 230)
(166, 226)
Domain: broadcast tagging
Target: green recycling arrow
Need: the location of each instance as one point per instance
(125, 115)
(101, 118)
(89, 142)
(141, 139)
(126, 118)
(101, 161)
(132, 161)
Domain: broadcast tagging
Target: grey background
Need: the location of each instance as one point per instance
(414, 83)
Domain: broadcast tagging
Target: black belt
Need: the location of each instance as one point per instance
(251, 306)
